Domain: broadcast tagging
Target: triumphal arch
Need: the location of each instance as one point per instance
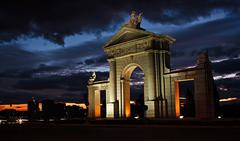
(132, 47)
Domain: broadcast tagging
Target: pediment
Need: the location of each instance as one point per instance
(126, 34)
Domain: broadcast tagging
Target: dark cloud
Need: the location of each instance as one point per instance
(74, 82)
(232, 86)
(178, 53)
(17, 97)
(222, 31)
(12, 56)
(86, 49)
(57, 19)
(60, 88)
(73, 97)
(15, 61)
(226, 67)
(25, 73)
(54, 20)
(100, 60)
(102, 76)
(230, 51)
(54, 87)
(44, 68)
(218, 37)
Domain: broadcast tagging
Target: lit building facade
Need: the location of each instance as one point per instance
(133, 47)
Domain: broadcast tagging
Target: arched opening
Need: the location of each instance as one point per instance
(137, 93)
(133, 92)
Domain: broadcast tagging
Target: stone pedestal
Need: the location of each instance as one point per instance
(110, 110)
(150, 113)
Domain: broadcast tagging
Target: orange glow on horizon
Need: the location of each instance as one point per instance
(82, 105)
(229, 99)
(177, 101)
(17, 107)
(24, 107)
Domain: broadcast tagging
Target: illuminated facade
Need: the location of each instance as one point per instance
(133, 47)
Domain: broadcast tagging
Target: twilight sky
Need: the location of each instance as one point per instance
(49, 48)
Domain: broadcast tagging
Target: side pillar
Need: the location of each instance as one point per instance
(150, 89)
(91, 97)
(94, 108)
(204, 89)
(165, 83)
(112, 108)
(97, 104)
(161, 62)
(126, 97)
(109, 106)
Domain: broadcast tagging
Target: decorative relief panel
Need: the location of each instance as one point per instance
(128, 48)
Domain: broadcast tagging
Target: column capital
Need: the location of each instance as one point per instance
(111, 59)
(124, 79)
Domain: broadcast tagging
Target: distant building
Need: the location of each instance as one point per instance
(46, 109)
(33, 109)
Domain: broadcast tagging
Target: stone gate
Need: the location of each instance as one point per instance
(132, 47)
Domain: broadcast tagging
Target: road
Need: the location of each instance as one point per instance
(83, 132)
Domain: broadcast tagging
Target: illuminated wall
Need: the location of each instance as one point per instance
(177, 102)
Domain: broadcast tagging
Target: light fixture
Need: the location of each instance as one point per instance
(136, 117)
(20, 121)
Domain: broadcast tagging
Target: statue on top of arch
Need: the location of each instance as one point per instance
(92, 78)
(135, 20)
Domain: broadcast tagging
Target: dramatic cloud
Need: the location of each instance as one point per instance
(222, 31)
(62, 73)
(227, 66)
(17, 60)
(227, 51)
(13, 57)
(100, 60)
(218, 37)
(56, 19)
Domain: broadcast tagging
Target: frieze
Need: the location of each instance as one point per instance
(128, 49)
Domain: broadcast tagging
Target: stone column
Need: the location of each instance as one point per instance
(121, 99)
(91, 97)
(111, 106)
(126, 98)
(165, 83)
(112, 79)
(150, 74)
(151, 87)
(157, 71)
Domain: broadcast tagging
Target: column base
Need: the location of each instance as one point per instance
(151, 111)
